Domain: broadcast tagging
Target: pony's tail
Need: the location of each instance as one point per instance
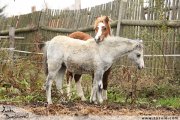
(45, 60)
(43, 46)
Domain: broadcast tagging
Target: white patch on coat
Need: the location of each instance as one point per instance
(99, 32)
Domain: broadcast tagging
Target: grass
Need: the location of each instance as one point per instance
(114, 95)
(169, 102)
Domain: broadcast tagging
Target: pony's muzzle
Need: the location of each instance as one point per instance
(97, 39)
(140, 67)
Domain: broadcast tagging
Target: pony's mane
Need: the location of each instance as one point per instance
(101, 19)
(115, 41)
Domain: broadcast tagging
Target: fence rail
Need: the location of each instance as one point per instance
(7, 37)
(28, 52)
(19, 30)
(149, 23)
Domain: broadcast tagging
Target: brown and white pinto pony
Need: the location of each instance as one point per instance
(102, 30)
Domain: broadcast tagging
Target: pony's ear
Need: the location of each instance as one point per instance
(96, 17)
(139, 46)
(141, 41)
(95, 22)
(107, 19)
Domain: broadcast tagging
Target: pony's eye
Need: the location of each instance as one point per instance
(138, 55)
(96, 29)
(104, 28)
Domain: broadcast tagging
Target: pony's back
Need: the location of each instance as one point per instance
(80, 35)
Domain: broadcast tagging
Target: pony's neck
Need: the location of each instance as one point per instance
(116, 47)
(109, 30)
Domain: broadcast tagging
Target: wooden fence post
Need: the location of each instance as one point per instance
(121, 10)
(12, 42)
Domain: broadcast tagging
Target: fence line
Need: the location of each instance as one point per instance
(115, 65)
(20, 30)
(157, 25)
(149, 23)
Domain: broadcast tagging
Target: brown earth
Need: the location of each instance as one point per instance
(84, 108)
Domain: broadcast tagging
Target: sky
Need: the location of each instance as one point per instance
(16, 7)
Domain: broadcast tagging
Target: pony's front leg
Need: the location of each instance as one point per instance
(93, 92)
(100, 87)
(97, 87)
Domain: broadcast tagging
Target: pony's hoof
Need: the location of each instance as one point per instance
(100, 101)
(104, 97)
(83, 98)
(60, 92)
(69, 97)
(95, 102)
(44, 87)
(104, 94)
(90, 100)
(50, 103)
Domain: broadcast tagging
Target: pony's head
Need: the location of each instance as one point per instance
(137, 54)
(102, 28)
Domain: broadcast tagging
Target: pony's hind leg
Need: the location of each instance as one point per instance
(53, 68)
(79, 89)
(59, 79)
(105, 84)
(48, 85)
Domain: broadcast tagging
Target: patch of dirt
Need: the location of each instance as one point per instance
(85, 108)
